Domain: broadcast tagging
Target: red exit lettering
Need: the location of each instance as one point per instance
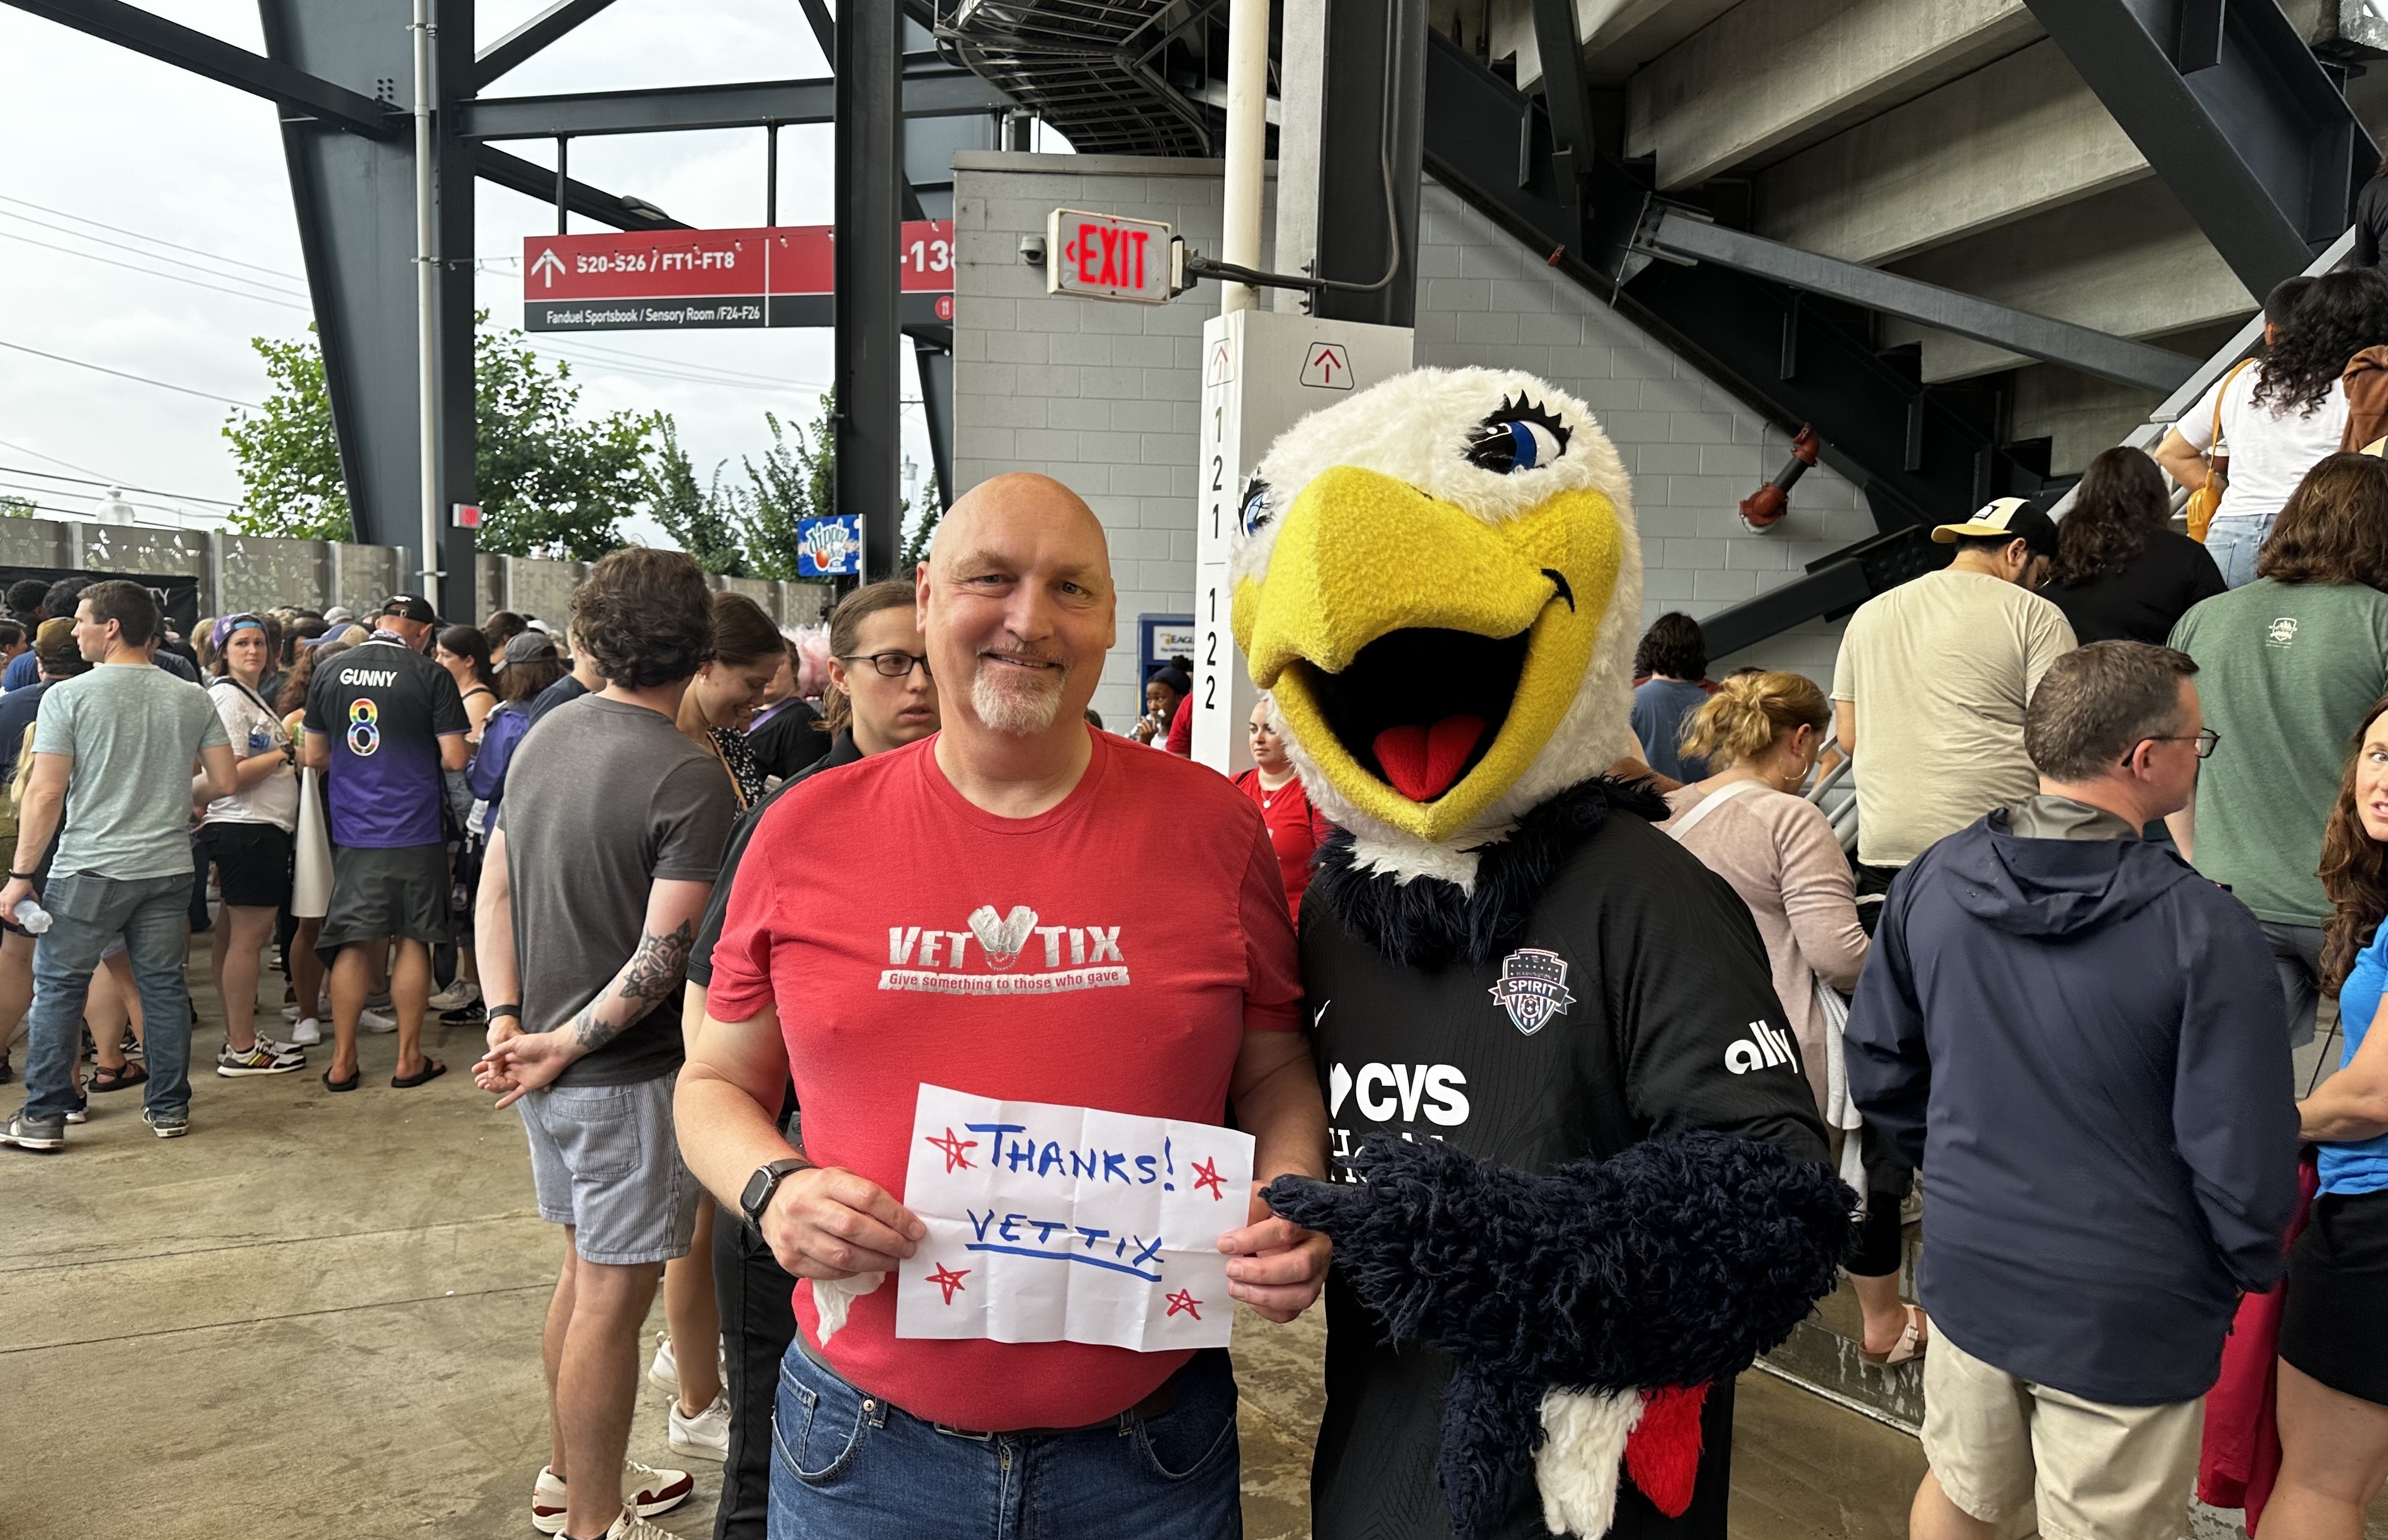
(1110, 258)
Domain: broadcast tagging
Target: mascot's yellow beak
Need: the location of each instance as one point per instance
(1422, 655)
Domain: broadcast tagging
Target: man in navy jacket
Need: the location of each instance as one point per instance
(2079, 1040)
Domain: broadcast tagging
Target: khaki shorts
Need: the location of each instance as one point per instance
(2003, 1447)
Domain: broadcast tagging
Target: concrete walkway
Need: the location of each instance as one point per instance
(318, 1315)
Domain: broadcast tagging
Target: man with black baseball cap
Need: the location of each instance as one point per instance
(1932, 684)
(382, 721)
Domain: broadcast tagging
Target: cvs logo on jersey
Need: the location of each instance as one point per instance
(1381, 1091)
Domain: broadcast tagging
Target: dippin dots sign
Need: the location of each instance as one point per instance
(829, 547)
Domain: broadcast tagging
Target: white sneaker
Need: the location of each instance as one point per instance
(663, 1372)
(272, 1045)
(290, 1012)
(374, 1021)
(704, 1436)
(457, 995)
(308, 1030)
(645, 1492)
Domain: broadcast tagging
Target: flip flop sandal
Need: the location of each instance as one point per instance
(1911, 1345)
(105, 1079)
(432, 1070)
(349, 1085)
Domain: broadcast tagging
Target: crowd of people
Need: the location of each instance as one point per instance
(2120, 797)
(2121, 829)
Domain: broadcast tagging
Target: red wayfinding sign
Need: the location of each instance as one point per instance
(777, 277)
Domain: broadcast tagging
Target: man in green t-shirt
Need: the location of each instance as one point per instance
(2287, 667)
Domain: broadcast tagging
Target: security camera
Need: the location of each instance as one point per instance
(1031, 250)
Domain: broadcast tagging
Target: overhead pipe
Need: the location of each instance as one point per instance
(427, 300)
(1763, 507)
(1240, 236)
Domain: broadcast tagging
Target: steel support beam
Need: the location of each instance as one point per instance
(1681, 234)
(937, 404)
(454, 174)
(535, 181)
(1372, 125)
(2239, 119)
(938, 92)
(354, 199)
(870, 196)
(1566, 99)
(297, 91)
(525, 41)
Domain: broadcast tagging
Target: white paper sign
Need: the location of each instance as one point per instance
(1066, 1224)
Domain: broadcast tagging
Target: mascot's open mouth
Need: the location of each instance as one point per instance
(1418, 707)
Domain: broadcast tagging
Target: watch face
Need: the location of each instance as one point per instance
(757, 1193)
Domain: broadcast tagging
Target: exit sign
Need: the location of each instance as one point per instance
(1104, 257)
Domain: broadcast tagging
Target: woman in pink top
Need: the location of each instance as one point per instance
(1749, 824)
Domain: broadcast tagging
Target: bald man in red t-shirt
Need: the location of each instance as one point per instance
(1150, 865)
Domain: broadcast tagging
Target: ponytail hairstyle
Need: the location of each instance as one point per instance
(845, 629)
(1749, 712)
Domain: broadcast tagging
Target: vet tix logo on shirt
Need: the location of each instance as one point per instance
(983, 960)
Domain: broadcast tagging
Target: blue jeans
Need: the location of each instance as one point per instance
(2234, 543)
(850, 1465)
(86, 913)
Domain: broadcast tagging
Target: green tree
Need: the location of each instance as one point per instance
(12, 506)
(704, 522)
(795, 481)
(286, 454)
(552, 484)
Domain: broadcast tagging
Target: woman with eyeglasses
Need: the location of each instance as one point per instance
(2332, 1386)
(2284, 663)
(247, 837)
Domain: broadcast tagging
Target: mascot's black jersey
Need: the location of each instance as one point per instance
(1636, 1003)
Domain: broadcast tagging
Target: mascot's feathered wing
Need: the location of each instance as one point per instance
(1584, 1204)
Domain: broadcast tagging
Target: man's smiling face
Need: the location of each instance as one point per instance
(1017, 604)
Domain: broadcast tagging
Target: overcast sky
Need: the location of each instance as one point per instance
(99, 133)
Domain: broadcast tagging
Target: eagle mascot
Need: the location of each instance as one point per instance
(1579, 1176)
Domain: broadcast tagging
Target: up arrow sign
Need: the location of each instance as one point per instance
(549, 267)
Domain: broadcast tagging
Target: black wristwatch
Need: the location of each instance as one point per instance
(764, 1183)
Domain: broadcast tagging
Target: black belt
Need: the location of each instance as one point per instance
(1155, 1405)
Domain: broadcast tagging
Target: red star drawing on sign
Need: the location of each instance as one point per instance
(1184, 1300)
(1206, 1174)
(953, 1148)
(951, 1282)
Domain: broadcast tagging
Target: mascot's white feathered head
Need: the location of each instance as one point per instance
(1439, 583)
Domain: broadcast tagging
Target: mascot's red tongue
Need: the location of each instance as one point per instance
(1422, 762)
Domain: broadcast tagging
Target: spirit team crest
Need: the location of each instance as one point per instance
(1532, 988)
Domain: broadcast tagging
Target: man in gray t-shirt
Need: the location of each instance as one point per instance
(114, 755)
(604, 858)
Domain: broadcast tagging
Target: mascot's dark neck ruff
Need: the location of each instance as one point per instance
(1427, 922)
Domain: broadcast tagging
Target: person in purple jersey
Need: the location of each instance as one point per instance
(383, 721)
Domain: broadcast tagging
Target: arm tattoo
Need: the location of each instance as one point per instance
(652, 976)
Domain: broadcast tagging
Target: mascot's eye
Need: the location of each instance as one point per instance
(1520, 436)
(1255, 509)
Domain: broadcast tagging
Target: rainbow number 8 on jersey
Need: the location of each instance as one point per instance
(365, 727)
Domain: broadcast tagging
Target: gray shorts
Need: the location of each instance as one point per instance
(604, 1161)
(381, 893)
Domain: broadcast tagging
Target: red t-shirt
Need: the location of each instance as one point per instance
(1295, 831)
(1180, 741)
(1156, 931)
